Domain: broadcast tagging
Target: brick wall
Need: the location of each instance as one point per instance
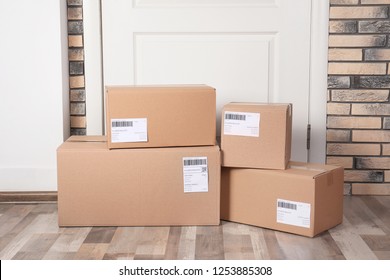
(76, 67)
(358, 115)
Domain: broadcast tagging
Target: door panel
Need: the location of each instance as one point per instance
(249, 50)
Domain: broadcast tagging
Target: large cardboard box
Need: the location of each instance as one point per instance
(137, 187)
(160, 116)
(305, 199)
(256, 135)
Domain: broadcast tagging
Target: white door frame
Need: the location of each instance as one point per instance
(317, 81)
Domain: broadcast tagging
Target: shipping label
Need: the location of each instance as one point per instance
(241, 124)
(129, 130)
(195, 174)
(293, 213)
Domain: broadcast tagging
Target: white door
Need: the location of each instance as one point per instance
(249, 50)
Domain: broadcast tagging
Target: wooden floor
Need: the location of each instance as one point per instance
(30, 231)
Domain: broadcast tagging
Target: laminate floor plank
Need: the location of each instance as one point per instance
(70, 240)
(187, 243)
(153, 242)
(91, 251)
(125, 241)
(171, 250)
(209, 243)
(362, 218)
(37, 246)
(12, 217)
(43, 223)
(100, 235)
(304, 248)
(350, 242)
(274, 249)
(30, 231)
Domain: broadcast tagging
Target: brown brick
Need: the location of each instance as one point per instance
(344, 2)
(75, 40)
(371, 109)
(336, 135)
(386, 149)
(386, 123)
(78, 131)
(342, 26)
(76, 68)
(357, 12)
(361, 95)
(374, 82)
(345, 54)
(387, 176)
(353, 149)
(368, 2)
(373, 163)
(75, 13)
(339, 82)
(346, 162)
(75, 27)
(371, 136)
(76, 82)
(347, 189)
(77, 95)
(354, 122)
(376, 26)
(370, 189)
(75, 2)
(76, 54)
(77, 122)
(377, 54)
(77, 108)
(356, 68)
(357, 40)
(338, 109)
(363, 176)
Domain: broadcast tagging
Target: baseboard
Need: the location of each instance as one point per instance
(28, 196)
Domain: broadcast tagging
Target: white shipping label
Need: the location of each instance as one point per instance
(129, 130)
(195, 174)
(241, 124)
(293, 213)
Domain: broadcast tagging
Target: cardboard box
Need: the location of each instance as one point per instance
(305, 199)
(256, 135)
(137, 187)
(160, 116)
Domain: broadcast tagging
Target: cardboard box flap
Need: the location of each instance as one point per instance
(282, 106)
(313, 169)
(158, 86)
(83, 138)
(82, 143)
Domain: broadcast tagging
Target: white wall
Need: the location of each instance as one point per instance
(34, 106)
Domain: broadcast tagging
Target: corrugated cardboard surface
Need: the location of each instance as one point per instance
(132, 187)
(249, 196)
(271, 150)
(176, 115)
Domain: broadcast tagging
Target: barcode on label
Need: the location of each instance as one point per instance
(236, 117)
(122, 124)
(287, 205)
(189, 162)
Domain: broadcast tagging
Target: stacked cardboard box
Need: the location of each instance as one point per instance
(159, 164)
(259, 186)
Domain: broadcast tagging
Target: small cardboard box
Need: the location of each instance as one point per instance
(137, 187)
(305, 199)
(256, 135)
(160, 116)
